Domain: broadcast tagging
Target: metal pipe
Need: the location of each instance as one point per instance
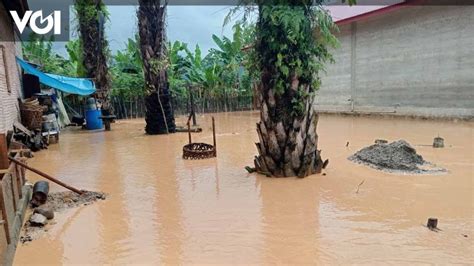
(46, 176)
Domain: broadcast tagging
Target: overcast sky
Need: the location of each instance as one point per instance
(190, 24)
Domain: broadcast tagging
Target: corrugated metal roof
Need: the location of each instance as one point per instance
(343, 14)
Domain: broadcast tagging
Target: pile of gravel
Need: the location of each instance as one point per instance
(57, 202)
(398, 156)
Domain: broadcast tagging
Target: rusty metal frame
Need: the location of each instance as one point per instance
(199, 151)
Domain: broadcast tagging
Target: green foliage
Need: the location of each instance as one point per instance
(40, 52)
(74, 50)
(127, 72)
(223, 72)
(293, 37)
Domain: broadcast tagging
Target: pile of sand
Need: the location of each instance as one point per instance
(398, 156)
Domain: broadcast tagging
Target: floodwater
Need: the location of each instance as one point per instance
(165, 210)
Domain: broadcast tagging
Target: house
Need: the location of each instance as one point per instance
(10, 46)
(403, 59)
(14, 193)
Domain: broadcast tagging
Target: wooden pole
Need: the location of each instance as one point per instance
(47, 176)
(189, 127)
(192, 107)
(214, 136)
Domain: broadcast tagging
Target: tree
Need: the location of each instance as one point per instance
(40, 52)
(127, 71)
(292, 39)
(91, 15)
(152, 31)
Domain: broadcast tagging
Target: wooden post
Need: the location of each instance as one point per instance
(189, 127)
(189, 132)
(4, 163)
(214, 136)
(12, 186)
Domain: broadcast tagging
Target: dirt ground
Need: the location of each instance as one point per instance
(161, 209)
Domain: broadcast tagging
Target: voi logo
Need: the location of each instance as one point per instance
(36, 20)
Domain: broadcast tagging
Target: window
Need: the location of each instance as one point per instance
(5, 67)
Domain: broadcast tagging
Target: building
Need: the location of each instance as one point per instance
(14, 194)
(405, 60)
(10, 46)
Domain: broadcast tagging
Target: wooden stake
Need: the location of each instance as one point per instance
(214, 136)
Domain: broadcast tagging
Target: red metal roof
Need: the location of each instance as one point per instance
(347, 14)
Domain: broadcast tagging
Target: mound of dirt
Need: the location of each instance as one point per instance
(398, 156)
(57, 202)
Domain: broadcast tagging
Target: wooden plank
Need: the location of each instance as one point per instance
(4, 215)
(4, 163)
(18, 181)
(14, 199)
(23, 129)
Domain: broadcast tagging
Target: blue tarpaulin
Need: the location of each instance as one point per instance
(79, 86)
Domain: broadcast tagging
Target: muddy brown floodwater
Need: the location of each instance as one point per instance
(162, 209)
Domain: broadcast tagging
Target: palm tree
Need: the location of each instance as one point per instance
(152, 32)
(91, 15)
(292, 37)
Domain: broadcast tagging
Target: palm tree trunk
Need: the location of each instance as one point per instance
(94, 46)
(159, 115)
(287, 129)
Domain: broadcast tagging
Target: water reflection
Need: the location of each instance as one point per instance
(165, 210)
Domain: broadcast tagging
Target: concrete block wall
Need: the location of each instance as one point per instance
(10, 88)
(417, 61)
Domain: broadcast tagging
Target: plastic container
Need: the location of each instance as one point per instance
(93, 120)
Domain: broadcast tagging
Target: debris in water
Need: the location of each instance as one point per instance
(432, 224)
(438, 142)
(358, 187)
(325, 164)
(398, 156)
(250, 169)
